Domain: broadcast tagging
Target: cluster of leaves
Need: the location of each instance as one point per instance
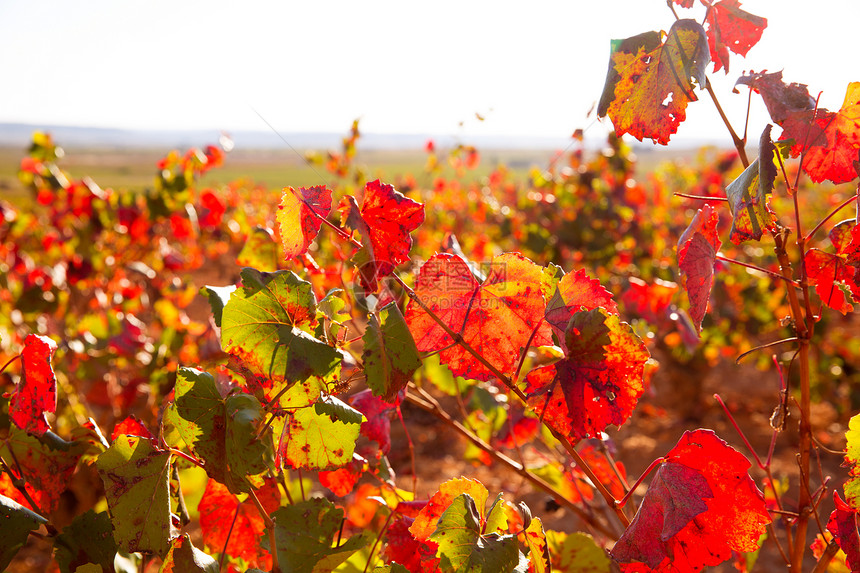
(309, 351)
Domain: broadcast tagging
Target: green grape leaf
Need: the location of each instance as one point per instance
(183, 557)
(260, 250)
(218, 299)
(390, 356)
(136, 476)
(88, 539)
(305, 533)
(18, 522)
(267, 324)
(576, 552)
(315, 440)
(222, 432)
(462, 546)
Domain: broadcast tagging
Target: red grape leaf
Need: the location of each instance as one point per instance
(748, 194)
(825, 270)
(574, 292)
(299, 225)
(650, 301)
(684, 3)
(377, 427)
(218, 508)
(672, 531)
(603, 470)
(46, 467)
(341, 481)
(781, 99)
(843, 526)
(183, 557)
(697, 253)
(37, 390)
(384, 222)
(497, 317)
(649, 85)
(402, 548)
(599, 381)
(730, 28)
(519, 430)
(390, 356)
(829, 141)
(131, 426)
(136, 476)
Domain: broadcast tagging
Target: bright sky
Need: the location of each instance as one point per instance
(403, 67)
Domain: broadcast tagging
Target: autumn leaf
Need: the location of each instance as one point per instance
(267, 324)
(701, 506)
(697, 254)
(222, 517)
(852, 461)
(221, 431)
(341, 481)
(427, 519)
(576, 553)
(829, 272)
(136, 475)
(463, 544)
(88, 539)
(314, 438)
(299, 216)
(260, 250)
(843, 526)
(650, 81)
(18, 522)
(829, 142)
(132, 426)
(574, 292)
(390, 356)
(384, 222)
(598, 382)
(650, 301)
(402, 548)
(304, 534)
(183, 557)
(539, 554)
(496, 318)
(749, 194)
(37, 391)
(781, 99)
(377, 426)
(730, 28)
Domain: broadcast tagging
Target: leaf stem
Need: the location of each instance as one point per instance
(183, 455)
(821, 223)
(270, 525)
(623, 501)
(227, 540)
(740, 144)
(10, 361)
(21, 485)
(739, 431)
(700, 197)
(762, 347)
(759, 269)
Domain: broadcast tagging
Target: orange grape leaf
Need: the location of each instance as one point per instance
(697, 253)
(843, 526)
(428, 518)
(574, 292)
(829, 141)
(299, 217)
(223, 517)
(384, 222)
(730, 28)
(701, 506)
(781, 99)
(496, 317)
(341, 480)
(37, 390)
(599, 381)
(649, 82)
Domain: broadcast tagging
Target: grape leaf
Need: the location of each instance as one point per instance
(88, 539)
(402, 548)
(313, 439)
(829, 141)
(298, 224)
(46, 466)
(377, 426)
(427, 519)
(852, 460)
(730, 28)
(384, 222)
(825, 271)
(390, 356)
(184, 557)
(649, 85)
(697, 254)
(218, 299)
(651, 301)
(701, 506)
(304, 534)
(18, 522)
(574, 292)
(37, 390)
(748, 194)
(266, 323)
(496, 318)
(136, 475)
(599, 381)
(132, 426)
(464, 547)
(260, 250)
(222, 432)
(843, 526)
(538, 549)
(576, 553)
(222, 516)
(342, 480)
(781, 99)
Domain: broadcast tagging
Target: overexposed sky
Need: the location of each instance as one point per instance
(403, 67)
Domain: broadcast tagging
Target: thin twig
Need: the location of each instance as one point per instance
(227, 540)
(763, 346)
(700, 197)
(759, 269)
